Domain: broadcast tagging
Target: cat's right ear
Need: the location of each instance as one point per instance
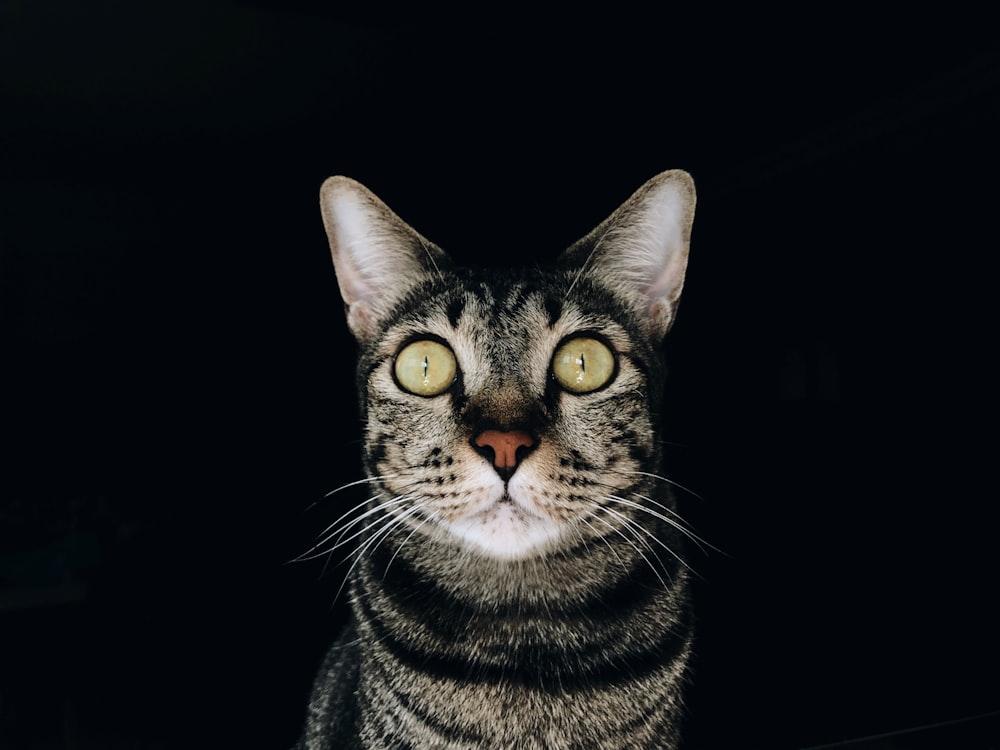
(377, 256)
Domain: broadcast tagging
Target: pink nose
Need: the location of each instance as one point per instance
(504, 444)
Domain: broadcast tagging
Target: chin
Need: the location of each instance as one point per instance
(507, 532)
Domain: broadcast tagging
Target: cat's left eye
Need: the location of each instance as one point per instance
(583, 364)
(425, 368)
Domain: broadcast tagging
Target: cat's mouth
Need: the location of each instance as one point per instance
(512, 500)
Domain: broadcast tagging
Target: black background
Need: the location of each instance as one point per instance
(179, 384)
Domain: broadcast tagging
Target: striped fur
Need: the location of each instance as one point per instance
(543, 608)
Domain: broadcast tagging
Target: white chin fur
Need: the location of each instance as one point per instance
(506, 528)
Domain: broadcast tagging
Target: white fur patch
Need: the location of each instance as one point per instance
(506, 527)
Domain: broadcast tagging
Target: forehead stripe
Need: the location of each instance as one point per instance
(455, 309)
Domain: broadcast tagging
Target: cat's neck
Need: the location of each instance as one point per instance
(488, 584)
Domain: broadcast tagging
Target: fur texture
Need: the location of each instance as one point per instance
(518, 579)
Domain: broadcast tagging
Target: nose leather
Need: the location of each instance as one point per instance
(504, 444)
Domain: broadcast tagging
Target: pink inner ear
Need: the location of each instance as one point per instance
(671, 278)
(360, 320)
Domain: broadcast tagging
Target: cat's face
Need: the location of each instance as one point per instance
(512, 414)
(570, 391)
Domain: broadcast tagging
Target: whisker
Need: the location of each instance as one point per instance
(331, 531)
(413, 511)
(669, 481)
(341, 541)
(684, 527)
(366, 480)
(398, 500)
(390, 522)
(635, 525)
(590, 256)
(676, 522)
(334, 491)
(603, 538)
(430, 257)
(628, 524)
(666, 508)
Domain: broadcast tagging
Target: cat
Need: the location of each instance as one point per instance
(518, 577)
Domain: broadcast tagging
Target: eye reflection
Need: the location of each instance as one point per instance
(425, 368)
(583, 364)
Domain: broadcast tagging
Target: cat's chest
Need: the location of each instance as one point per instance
(478, 711)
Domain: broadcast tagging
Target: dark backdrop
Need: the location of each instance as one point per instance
(179, 385)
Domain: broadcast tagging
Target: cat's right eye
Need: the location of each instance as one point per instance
(425, 368)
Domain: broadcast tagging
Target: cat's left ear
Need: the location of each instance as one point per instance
(641, 250)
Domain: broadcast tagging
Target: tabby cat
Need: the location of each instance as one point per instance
(518, 579)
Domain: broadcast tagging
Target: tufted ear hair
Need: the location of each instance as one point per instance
(377, 256)
(641, 250)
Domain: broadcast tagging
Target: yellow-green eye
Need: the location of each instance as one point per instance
(583, 364)
(425, 367)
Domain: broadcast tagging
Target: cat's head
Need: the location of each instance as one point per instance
(512, 413)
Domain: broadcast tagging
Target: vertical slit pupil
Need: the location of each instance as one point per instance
(426, 365)
(583, 363)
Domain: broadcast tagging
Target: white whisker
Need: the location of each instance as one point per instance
(334, 529)
(412, 511)
(682, 526)
(339, 533)
(676, 522)
(603, 538)
(669, 481)
(430, 257)
(629, 524)
(635, 525)
(590, 256)
(341, 540)
(334, 491)
(390, 522)
(360, 481)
